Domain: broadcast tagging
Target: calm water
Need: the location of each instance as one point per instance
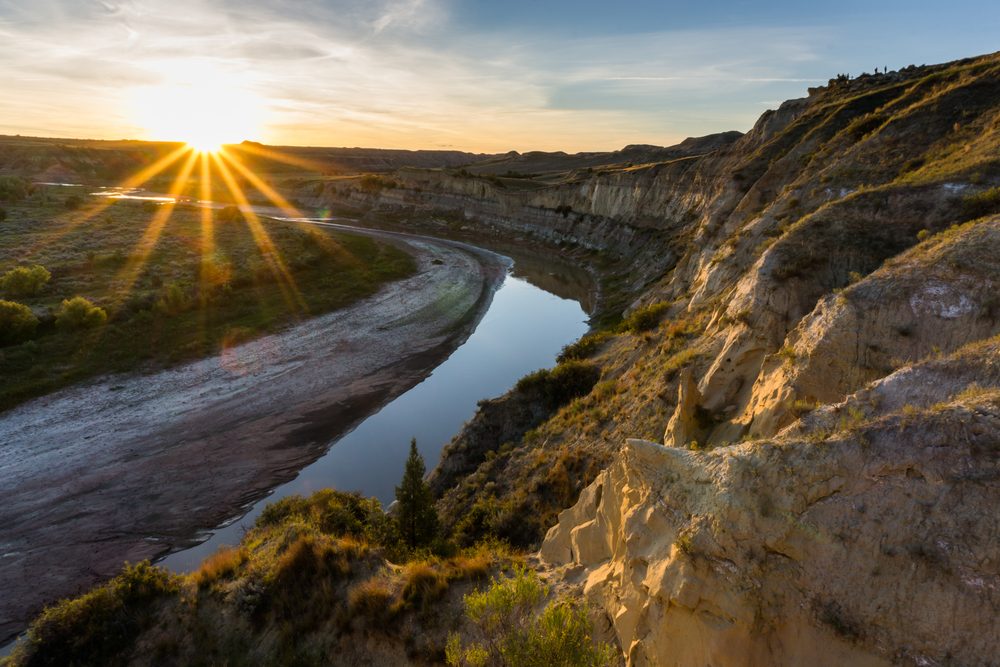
(523, 331)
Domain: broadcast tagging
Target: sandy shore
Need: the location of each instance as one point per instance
(132, 467)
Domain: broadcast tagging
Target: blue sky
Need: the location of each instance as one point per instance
(487, 76)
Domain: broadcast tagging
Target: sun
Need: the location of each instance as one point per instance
(205, 145)
(199, 104)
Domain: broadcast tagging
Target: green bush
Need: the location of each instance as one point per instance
(560, 385)
(17, 322)
(173, 300)
(79, 313)
(584, 347)
(14, 188)
(645, 318)
(508, 631)
(982, 203)
(24, 280)
(335, 513)
(93, 628)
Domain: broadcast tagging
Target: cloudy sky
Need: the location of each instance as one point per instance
(487, 75)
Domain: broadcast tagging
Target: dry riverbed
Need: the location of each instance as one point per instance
(132, 467)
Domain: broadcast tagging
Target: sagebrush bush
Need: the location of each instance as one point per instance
(585, 347)
(25, 280)
(560, 385)
(93, 629)
(223, 563)
(17, 322)
(509, 631)
(333, 512)
(645, 318)
(371, 599)
(173, 300)
(982, 203)
(423, 583)
(14, 188)
(302, 577)
(79, 313)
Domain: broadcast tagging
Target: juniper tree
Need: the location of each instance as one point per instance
(416, 517)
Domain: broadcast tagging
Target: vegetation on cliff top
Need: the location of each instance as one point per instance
(317, 579)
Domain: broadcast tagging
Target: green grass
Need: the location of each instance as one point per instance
(166, 315)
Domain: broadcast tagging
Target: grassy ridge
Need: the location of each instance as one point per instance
(169, 313)
(317, 581)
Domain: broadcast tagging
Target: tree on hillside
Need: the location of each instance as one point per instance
(416, 517)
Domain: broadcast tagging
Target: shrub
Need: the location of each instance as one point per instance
(560, 385)
(335, 513)
(24, 280)
(509, 632)
(173, 300)
(3, 214)
(222, 563)
(423, 583)
(982, 203)
(645, 318)
(79, 313)
(17, 322)
(371, 599)
(584, 347)
(94, 628)
(73, 202)
(14, 188)
(300, 573)
(474, 565)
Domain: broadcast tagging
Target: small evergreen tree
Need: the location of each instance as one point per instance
(416, 517)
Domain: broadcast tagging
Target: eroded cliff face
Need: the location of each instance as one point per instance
(866, 535)
(823, 385)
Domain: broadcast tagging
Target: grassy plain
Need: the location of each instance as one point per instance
(204, 284)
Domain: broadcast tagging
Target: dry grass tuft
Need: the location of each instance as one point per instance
(222, 564)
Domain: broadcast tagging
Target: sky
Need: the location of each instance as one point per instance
(487, 76)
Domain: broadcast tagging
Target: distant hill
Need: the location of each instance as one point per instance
(538, 162)
(89, 160)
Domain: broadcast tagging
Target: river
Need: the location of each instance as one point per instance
(523, 330)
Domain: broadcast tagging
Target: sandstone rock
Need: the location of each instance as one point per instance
(874, 545)
(685, 425)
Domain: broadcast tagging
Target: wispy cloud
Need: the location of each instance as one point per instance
(393, 73)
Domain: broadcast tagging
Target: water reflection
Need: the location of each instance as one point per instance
(523, 331)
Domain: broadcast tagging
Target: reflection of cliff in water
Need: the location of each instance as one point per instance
(550, 272)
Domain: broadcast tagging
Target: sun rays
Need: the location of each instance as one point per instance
(196, 174)
(211, 163)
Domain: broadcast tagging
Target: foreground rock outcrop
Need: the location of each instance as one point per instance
(873, 541)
